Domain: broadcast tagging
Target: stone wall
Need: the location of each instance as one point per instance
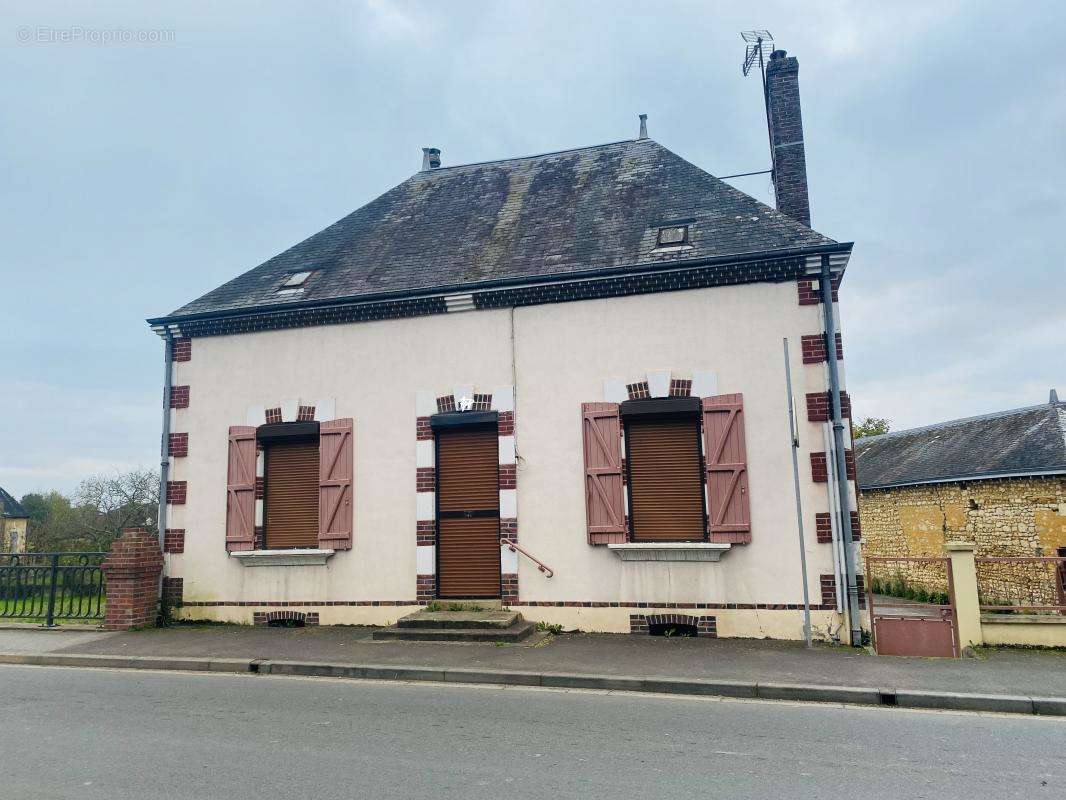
(1009, 517)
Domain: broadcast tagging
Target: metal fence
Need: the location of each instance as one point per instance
(1034, 584)
(44, 587)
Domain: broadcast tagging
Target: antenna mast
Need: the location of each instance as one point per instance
(758, 46)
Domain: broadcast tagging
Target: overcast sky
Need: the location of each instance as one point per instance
(136, 177)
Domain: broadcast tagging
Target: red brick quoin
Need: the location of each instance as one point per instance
(132, 570)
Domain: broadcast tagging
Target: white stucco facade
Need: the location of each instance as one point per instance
(556, 357)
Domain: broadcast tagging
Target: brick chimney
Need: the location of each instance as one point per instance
(786, 137)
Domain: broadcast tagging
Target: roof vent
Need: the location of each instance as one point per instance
(430, 158)
(643, 126)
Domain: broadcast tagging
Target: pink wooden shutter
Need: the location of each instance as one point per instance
(240, 489)
(604, 506)
(728, 513)
(335, 484)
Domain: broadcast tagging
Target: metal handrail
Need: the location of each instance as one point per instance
(514, 548)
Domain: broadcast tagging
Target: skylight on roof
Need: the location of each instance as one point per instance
(296, 279)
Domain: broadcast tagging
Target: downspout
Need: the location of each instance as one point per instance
(164, 448)
(844, 506)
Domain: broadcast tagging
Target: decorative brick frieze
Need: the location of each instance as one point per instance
(508, 476)
(131, 571)
(829, 589)
(178, 445)
(509, 588)
(425, 479)
(273, 415)
(638, 390)
(505, 423)
(423, 429)
(820, 470)
(819, 407)
(631, 281)
(509, 529)
(179, 396)
(264, 618)
(426, 532)
(305, 414)
(680, 387)
(430, 582)
(176, 492)
(173, 589)
(814, 350)
(445, 403)
(260, 487)
(638, 623)
(426, 588)
(810, 294)
(181, 350)
(704, 625)
(174, 540)
(824, 528)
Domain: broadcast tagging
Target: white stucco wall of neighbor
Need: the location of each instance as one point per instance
(562, 356)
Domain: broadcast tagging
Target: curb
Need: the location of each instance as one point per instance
(813, 693)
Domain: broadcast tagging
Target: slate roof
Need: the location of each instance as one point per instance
(1024, 441)
(553, 214)
(10, 507)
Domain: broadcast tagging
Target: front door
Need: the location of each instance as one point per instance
(468, 512)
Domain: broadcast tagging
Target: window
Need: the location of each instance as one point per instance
(664, 468)
(294, 284)
(672, 236)
(297, 279)
(290, 486)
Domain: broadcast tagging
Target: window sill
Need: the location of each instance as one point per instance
(669, 551)
(282, 558)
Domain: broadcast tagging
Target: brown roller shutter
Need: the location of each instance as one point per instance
(468, 513)
(291, 485)
(665, 480)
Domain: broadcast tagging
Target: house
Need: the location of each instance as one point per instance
(13, 524)
(997, 480)
(554, 382)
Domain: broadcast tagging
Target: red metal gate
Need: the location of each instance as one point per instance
(905, 626)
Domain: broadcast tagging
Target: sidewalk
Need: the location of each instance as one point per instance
(1025, 673)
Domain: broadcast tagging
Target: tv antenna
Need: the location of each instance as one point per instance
(758, 46)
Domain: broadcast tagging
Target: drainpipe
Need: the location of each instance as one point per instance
(164, 449)
(826, 285)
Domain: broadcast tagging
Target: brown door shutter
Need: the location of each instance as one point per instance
(728, 514)
(665, 480)
(468, 513)
(240, 489)
(604, 503)
(290, 516)
(335, 485)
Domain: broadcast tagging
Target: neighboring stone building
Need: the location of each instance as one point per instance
(997, 480)
(13, 524)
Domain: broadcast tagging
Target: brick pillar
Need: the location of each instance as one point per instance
(132, 572)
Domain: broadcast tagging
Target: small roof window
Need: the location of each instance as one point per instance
(672, 235)
(296, 279)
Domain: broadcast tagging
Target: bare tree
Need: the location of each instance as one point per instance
(106, 504)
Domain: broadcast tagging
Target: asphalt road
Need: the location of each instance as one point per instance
(127, 735)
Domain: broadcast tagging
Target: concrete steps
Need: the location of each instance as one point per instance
(491, 625)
